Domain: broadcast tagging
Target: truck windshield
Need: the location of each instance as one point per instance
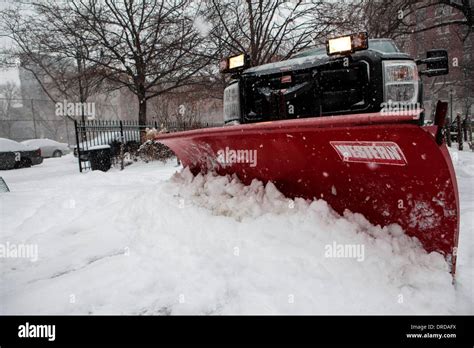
(385, 46)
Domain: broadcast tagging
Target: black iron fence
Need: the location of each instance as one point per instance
(459, 130)
(118, 137)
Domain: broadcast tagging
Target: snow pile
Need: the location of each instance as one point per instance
(464, 165)
(292, 231)
(137, 242)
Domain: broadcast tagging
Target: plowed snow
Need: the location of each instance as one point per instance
(148, 241)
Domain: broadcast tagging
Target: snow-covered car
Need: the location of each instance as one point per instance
(17, 155)
(49, 148)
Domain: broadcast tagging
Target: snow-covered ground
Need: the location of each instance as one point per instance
(148, 241)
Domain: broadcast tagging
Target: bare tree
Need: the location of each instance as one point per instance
(9, 93)
(186, 106)
(466, 85)
(269, 30)
(53, 54)
(396, 18)
(464, 7)
(147, 46)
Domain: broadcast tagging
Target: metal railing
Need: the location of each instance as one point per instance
(121, 136)
(460, 131)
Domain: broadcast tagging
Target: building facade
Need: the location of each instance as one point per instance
(456, 87)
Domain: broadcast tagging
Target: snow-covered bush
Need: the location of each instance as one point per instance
(152, 150)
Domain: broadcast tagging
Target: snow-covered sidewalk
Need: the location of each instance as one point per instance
(148, 241)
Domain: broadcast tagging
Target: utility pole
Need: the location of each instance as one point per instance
(67, 131)
(82, 98)
(34, 118)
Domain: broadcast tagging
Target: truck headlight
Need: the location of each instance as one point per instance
(400, 82)
(232, 103)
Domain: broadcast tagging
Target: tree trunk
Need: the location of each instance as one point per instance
(142, 111)
(142, 116)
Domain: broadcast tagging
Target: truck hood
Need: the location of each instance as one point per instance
(313, 61)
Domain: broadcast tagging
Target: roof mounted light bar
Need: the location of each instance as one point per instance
(347, 44)
(234, 63)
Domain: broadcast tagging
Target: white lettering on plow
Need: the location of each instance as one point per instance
(369, 152)
(37, 331)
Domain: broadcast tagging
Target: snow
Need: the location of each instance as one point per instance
(7, 145)
(42, 142)
(202, 26)
(109, 138)
(153, 239)
(99, 147)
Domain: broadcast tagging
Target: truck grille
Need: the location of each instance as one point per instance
(314, 92)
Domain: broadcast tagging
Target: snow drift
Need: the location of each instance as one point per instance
(137, 242)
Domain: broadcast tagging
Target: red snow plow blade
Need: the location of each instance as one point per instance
(384, 167)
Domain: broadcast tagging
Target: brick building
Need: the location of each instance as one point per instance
(458, 85)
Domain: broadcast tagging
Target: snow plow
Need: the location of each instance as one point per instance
(342, 123)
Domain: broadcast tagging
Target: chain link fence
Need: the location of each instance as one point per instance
(22, 119)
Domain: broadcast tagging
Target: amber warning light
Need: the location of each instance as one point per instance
(347, 44)
(234, 63)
